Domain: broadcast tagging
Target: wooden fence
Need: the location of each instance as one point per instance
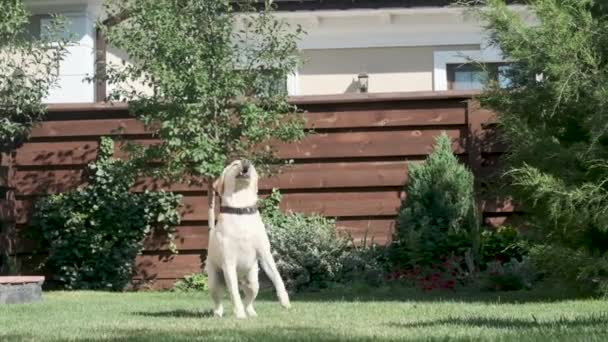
(353, 167)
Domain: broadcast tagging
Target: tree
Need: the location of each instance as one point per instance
(438, 216)
(28, 70)
(554, 116)
(208, 72)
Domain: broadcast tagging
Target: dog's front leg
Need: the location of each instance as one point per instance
(232, 283)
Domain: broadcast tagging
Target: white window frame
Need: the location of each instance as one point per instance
(293, 84)
(441, 59)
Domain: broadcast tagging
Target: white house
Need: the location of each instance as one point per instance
(398, 45)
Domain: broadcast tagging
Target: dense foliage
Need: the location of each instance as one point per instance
(437, 219)
(501, 244)
(307, 249)
(28, 70)
(95, 232)
(309, 252)
(554, 120)
(210, 81)
(195, 282)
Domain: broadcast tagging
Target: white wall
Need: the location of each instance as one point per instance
(80, 60)
(400, 49)
(390, 69)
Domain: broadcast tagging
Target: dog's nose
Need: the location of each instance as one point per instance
(245, 164)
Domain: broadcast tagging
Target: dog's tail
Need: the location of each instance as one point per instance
(270, 268)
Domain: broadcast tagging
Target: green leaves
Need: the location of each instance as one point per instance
(555, 126)
(28, 70)
(216, 77)
(94, 233)
(438, 217)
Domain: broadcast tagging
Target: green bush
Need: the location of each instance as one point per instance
(307, 249)
(309, 252)
(501, 244)
(195, 282)
(513, 275)
(576, 268)
(552, 116)
(438, 218)
(94, 233)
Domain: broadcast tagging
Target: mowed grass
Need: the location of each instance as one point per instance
(97, 316)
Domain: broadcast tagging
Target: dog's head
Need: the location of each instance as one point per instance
(238, 176)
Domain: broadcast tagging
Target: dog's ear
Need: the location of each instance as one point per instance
(218, 185)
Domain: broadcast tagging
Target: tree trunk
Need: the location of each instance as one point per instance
(211, 202)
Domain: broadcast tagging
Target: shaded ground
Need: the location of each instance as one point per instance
(383, 316)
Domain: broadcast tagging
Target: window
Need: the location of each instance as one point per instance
(470, 76)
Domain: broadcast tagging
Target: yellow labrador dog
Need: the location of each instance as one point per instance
(238, 242)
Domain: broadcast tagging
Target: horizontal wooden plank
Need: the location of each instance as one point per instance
(167, 266)
(195, 237)
(368, 230)
(57, 153)
(332, 204)
(432, 116)
(384, 116)
(299, 176)
(326, 145)
(338, 204)
(498, 206)
(369, 144)
(187, 238)
(84, 128)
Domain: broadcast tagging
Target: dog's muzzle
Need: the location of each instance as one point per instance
(245, 169)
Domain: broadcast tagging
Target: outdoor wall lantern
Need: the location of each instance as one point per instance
(363, 82)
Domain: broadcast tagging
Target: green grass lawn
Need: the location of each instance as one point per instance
(388, 316)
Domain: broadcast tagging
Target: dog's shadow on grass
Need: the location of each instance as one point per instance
(177, 314)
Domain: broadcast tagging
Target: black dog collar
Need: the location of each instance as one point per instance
(239, 211)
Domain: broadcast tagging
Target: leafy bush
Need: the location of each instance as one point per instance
(365, 263)
(309, 252)
(438, 218)
(501, 244)
(194, 282)
(307, 249)
(95, 232)
(577, 268)
(553, 118)
(511, 276)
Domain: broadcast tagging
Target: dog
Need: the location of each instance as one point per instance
(238, 242)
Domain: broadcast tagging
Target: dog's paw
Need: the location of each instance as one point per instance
(219, 312)
(251, 312)
(240, 314)
(284, 300)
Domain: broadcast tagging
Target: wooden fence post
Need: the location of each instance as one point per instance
(7, 213)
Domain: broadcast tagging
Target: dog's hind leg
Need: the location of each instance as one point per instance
(215, 289)
(270, 268)
(232, 284)
(250, 287)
